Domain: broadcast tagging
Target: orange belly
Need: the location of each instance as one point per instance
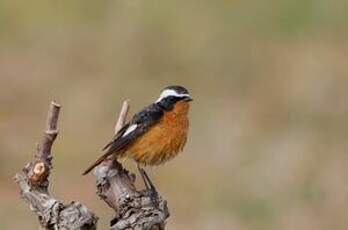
(164, 140)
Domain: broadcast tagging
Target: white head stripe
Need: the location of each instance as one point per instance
(170, 92)
(129, 130)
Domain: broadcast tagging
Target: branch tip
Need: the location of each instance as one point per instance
(55, 104)
(122, 117)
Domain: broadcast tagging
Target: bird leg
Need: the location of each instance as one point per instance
(150, 188)
(142, 172)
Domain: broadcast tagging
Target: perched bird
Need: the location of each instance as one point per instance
(155, 134)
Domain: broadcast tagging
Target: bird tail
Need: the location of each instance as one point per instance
(96, 163)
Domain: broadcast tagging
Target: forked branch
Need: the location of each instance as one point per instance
(115, 185)
(33, 183)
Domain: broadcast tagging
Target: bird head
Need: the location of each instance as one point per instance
(171, 95)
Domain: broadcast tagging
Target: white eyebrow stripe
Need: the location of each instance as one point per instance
(170, 92)
(130, 129)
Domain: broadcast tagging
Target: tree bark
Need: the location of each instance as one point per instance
(134, 208)
(33, 183)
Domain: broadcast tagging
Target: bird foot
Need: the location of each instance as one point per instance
(153, 194)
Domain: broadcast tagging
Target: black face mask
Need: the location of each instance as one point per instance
(168, 102)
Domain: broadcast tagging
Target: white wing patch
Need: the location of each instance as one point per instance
(130, 129)
(170, 92)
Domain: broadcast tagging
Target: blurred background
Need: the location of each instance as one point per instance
(268, 140)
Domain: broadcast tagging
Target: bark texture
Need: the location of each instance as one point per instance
(115, 185)
(33, 183)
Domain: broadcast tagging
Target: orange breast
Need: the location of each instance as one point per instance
(163, 140)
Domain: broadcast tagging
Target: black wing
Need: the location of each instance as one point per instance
(117, 135)
(139, 124)
(143, 120)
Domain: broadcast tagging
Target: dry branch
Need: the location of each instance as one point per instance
(33, 184)
(115, 185)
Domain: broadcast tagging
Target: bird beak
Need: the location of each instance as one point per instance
(188, 98)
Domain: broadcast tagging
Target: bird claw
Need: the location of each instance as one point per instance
(153, 194)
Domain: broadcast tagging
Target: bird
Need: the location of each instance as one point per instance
(155, 134)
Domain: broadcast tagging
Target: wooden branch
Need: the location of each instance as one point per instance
(122, 118)
(39, 172)
(33, 184)
(115, 185)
